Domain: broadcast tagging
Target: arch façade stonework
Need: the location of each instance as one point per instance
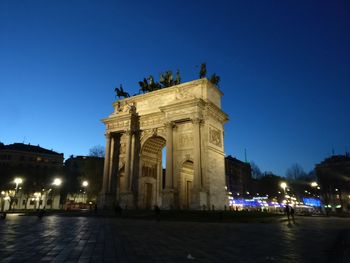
(188, 121)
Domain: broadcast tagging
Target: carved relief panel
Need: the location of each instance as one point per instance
(215, 136)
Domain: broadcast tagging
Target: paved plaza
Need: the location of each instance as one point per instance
(98, 239)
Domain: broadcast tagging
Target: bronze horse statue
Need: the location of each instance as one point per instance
(121, 93)
(215, 79)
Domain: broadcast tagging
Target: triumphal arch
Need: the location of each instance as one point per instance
(184, 123)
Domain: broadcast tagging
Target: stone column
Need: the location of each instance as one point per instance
(168, 192)
(169, 184)
(106, 170)
(197, 154)
(106, 198)
(114, 164)
(126, 196)
(197, 180)
(132, 159)
(127, 161)
(110, 166)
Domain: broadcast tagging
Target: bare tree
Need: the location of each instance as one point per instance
(295, 172)
(97, 151)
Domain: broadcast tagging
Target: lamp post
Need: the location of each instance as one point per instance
(314, 184)
(2, 200)
(85, 185)
(283, 185)
(56, 183)
(17, 181)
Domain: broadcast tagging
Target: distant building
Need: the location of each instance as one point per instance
(79, 169)
(333, 175)
(238, 175)
(28, 161)
(36, 166)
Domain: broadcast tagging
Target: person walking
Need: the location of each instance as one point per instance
(287, 211)
(292, 211)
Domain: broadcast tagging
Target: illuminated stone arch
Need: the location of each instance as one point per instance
(188, 121)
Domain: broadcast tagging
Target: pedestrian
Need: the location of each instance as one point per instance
(157, 212)
(3, 215)
(118, 210)
(287, 211)
(292, 214)
(41, 212)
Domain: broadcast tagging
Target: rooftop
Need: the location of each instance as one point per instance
(27, 148)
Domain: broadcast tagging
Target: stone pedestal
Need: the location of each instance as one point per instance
(168, 199)
(106, 201)
(203, 199)
(126, 200)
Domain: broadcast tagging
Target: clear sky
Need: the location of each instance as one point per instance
(284, 65)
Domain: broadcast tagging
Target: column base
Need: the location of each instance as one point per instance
(218, 201)
(126, 200)
(168, 199)
(106, 201)
(199, 200)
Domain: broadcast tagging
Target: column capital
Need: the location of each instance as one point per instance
(108, 135)
(128, 132)
(170, 124)
(197, 120)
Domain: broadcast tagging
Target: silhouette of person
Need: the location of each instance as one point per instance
(157, 212)
(292, 213)
(287, 210)
(118, 209)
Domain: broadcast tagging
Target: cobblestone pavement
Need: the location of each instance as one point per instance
(96, 239)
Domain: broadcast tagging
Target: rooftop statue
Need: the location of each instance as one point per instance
(121, 93)
(144, 86)
(178, 78)
(203, 71)
(152, 84)
(215, 79)
(166, 79)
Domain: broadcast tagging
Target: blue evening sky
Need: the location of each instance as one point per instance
(284, 65)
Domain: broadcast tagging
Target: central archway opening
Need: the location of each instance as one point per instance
(152, 172)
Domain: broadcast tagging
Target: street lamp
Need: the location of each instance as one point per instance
(2, 200)
(17, 181)
(283, 186)
(314, 184)
(85, 185)
(57, 182)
